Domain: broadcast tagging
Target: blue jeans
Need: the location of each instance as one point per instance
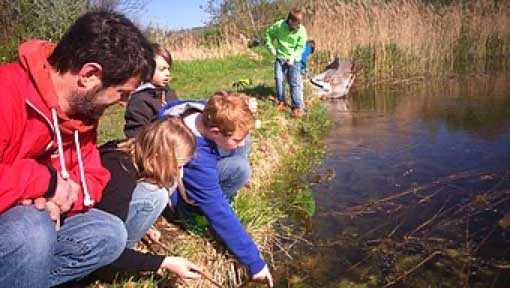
(234, 169)
(292, 73)
(147, 203)
(33, 254)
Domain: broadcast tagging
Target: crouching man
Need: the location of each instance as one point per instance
(50, 171)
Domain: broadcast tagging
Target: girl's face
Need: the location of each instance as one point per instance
(161, 73)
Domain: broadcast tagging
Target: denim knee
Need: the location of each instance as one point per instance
(234, 173)
(243, 171)
(27, 242)
(235, 170)
(86, 242)
(32, 230)
(278, 71)
(147, 203)
(160, 199)
(150, 197)
(103, 237)
(114, 236)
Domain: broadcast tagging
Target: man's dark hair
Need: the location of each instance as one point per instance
(109, 39)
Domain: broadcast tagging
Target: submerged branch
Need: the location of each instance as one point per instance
(410, 271)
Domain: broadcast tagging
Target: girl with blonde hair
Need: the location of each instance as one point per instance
(145, 170)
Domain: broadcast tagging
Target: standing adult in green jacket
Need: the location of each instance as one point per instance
(286, 40)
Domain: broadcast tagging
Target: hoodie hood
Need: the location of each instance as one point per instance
(33, 57)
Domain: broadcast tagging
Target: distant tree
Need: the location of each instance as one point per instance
(249, 16)
(131, 7)
(25, 19)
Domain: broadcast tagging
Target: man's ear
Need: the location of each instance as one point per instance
(89, 76)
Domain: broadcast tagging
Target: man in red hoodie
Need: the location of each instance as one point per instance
(50, 170)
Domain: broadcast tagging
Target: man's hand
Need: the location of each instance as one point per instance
(66, 194)
(183, 268)
(264, 276)
(54, 212)
(43, 204)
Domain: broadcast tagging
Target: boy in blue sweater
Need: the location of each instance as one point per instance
(220, 168)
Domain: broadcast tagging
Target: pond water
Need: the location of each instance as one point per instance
(442, 147)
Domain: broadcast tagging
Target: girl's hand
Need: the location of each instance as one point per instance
(182, 267)
(153, 234)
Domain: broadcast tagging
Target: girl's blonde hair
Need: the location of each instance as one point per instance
(158, 151)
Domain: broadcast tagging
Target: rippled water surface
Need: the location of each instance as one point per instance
(445, 145)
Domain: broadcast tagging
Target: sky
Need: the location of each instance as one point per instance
(173, 14)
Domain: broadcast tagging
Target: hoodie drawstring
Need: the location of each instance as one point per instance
(87, 200)
(63, 168)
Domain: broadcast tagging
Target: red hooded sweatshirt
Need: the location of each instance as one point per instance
(28, 136)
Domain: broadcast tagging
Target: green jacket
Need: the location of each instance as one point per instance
(288, 44)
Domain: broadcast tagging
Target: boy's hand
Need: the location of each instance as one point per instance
(264, 276)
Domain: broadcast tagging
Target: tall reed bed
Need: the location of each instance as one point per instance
(203, 43)
(403, 37)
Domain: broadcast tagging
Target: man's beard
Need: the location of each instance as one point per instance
(84, 107)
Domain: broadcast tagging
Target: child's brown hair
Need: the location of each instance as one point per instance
(163, 52)
(229, 112)
(296, 15)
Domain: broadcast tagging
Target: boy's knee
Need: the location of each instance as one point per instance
(244, 171)
(294, 83)
(240, 170)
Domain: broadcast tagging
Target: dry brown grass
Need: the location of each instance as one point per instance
(434, 35)
(202, 44)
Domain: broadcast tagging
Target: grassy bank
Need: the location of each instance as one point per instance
(283, 152)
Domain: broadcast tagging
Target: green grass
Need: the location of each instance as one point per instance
(284, 150)
(199, 80)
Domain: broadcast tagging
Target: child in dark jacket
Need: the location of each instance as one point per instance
(145, 103)
(144, 171)
(219, 169)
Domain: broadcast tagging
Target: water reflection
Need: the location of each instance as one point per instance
(446, 139)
